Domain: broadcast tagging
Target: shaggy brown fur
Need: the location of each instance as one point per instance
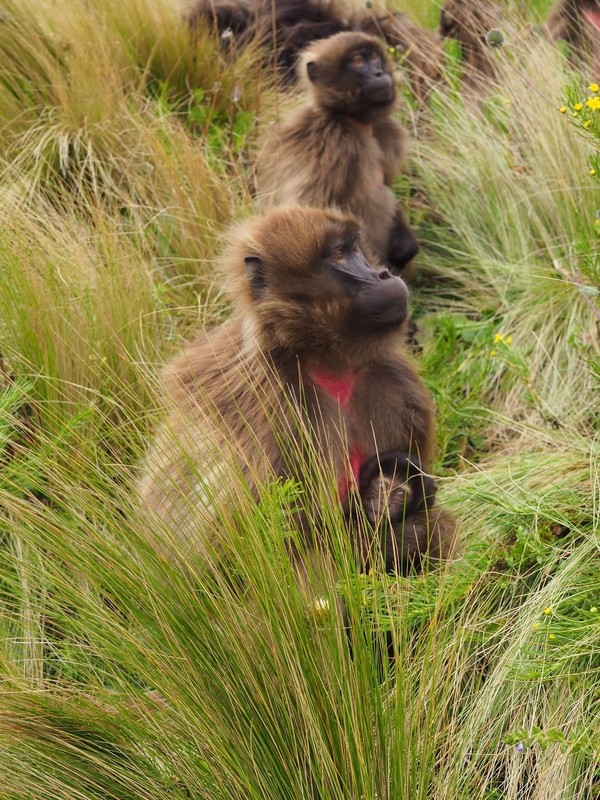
(340, 149)
(237, 16)
(296, 368)
(469, 21)
(286, 27)
(577, 22)
(282, 28)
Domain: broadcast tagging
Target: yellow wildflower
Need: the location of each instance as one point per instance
(552, 636)
(500, 337)
(563, 109)
(547, 611)
(593, 87)
(593, 103)
(536, 626)
(493, 352)
(592, 171)
(578, 106)
(587, 123)
(593, 610)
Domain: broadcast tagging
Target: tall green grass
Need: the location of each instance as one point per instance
(126, 677)
(118, 108)
(515, 233)
(125, 155)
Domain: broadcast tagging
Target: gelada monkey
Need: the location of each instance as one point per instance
(394, 491)
(343, 147)
(313, 352)
(283, 28)
(469, 22)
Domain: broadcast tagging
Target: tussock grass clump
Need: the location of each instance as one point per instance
(78, 310)
(87, 65)
(119, 104)
(509, 180)
(128, 677)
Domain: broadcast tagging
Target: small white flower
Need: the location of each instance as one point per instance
(320, 607)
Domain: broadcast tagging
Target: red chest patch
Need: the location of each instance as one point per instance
(350, 478)
(593, 17)
(339, 387)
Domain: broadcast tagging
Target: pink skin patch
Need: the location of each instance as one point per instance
(593, 17)
(348, 479)
(340, 387)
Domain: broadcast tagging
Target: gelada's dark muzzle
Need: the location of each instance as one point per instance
(383, 303)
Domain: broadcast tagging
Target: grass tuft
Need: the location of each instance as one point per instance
(515, 243)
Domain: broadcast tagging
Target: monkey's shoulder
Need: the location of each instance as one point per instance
(216, 367)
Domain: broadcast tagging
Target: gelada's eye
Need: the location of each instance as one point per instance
(358, 60)
(337, 254)
(374, 56)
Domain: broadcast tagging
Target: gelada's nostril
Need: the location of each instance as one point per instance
(385, 273)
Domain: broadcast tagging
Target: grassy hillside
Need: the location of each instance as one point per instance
(125, 151)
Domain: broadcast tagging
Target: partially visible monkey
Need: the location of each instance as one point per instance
(235, 16)
(282, 27)
(469, 22)
(286, 27)
(343, 147)
(312, 355)
(577, 22)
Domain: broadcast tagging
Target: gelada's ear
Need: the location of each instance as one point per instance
(313, 71)
(257, 279)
